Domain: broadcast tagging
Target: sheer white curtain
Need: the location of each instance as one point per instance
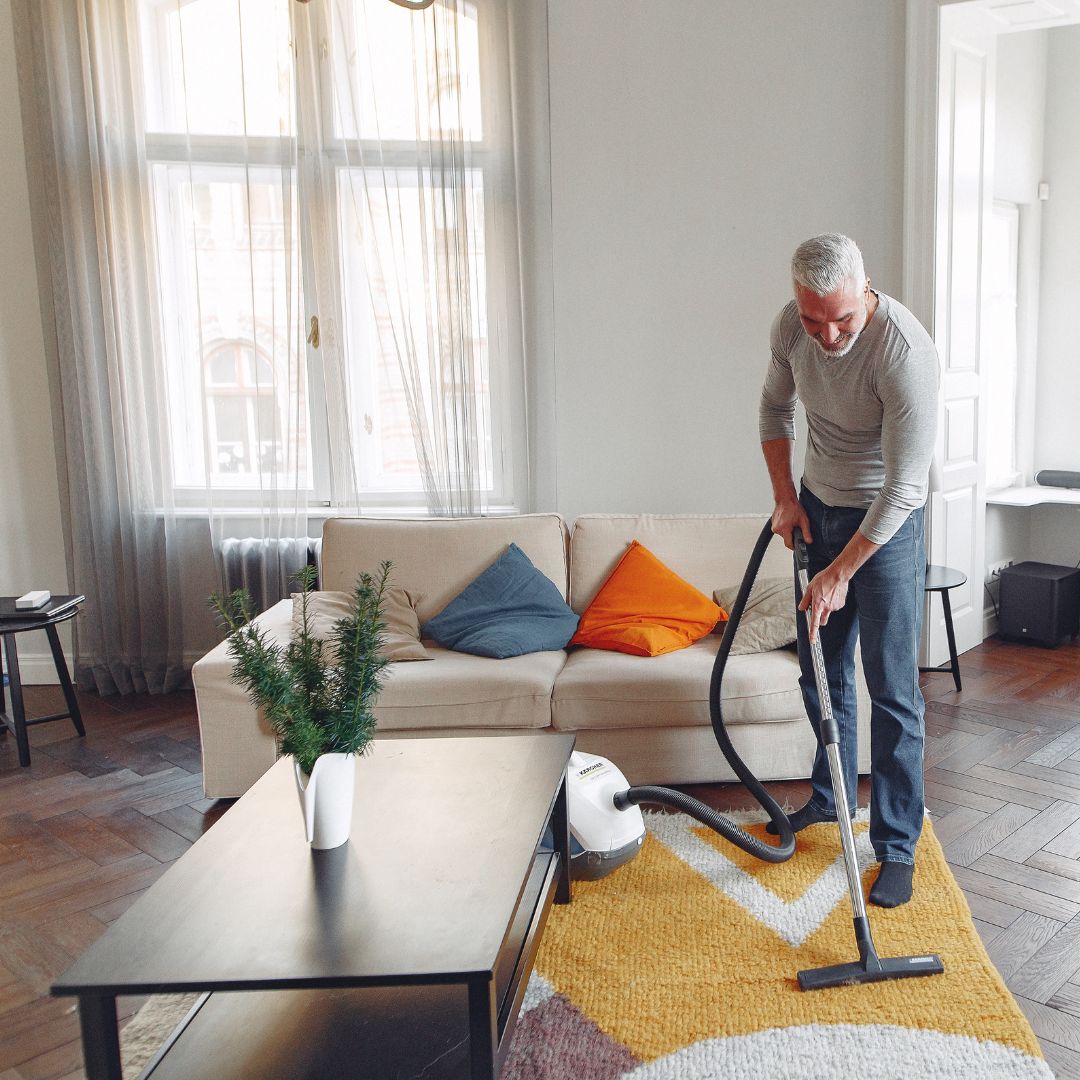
(115, 407)
(412, 139)
(284, 246)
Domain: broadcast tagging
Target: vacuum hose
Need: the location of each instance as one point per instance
(706, 814)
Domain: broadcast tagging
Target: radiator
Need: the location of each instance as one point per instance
(266, 568)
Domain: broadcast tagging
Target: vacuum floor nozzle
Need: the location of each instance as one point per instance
(858, 972)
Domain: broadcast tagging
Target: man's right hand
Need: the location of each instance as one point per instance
(786, 516)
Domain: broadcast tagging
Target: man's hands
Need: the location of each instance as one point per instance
(788, 514)
(826, 593)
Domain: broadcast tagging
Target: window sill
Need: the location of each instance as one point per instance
(319, 513)
(1034, 495)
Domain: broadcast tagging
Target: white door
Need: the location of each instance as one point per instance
(948, 188)
(964, 201)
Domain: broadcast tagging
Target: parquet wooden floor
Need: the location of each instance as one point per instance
(93, 822)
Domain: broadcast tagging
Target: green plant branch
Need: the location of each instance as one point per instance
(317, 696)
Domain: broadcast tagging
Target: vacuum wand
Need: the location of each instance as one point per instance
(869, 967)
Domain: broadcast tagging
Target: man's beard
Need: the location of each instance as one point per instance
(835, 354)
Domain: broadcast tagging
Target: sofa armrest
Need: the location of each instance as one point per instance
(238, 744)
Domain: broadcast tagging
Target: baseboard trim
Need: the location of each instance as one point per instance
(38, 669)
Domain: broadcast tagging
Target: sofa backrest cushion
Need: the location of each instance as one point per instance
(511, 609)
(435, 558)
(708, 550)
(646, 609)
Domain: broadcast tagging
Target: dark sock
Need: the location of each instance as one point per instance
(807, 815)
(893, 885)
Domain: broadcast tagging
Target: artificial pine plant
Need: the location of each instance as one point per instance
(317, 695)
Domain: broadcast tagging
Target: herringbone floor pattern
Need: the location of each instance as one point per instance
(94, 822)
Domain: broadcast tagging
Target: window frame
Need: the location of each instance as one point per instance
(487, 156)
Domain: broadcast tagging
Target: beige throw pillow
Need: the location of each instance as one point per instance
(768, 620)
(402, 637)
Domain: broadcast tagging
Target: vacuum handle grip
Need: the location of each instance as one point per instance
(802, 560)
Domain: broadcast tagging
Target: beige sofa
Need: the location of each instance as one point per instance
(650, 715)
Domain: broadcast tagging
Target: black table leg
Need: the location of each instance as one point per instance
(483, 1029)
(954, 662)
(100, 1037)
(560, 826)
(65, 679)
(18, 708)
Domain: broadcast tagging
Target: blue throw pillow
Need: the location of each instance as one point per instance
(509, 610)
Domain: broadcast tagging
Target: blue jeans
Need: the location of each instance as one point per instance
(884, 610)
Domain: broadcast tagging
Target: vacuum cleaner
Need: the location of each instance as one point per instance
(607, 829)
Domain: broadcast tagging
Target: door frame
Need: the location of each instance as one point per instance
(956, 512)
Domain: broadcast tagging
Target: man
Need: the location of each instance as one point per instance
(866, 373)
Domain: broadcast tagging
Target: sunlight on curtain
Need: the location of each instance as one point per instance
(410, 182)
(122, 513)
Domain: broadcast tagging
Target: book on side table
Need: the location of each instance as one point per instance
(55, 605)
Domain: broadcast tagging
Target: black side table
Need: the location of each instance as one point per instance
(10, 628)
(941, 579)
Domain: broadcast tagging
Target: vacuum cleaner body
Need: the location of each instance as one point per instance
(602, 838)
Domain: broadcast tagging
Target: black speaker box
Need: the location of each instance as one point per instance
(1039, 602)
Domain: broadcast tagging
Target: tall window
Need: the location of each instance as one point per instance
(999, 343)
(230, 160)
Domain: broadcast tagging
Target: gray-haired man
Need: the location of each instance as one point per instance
(867, 374)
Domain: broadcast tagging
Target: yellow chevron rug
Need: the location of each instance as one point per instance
(682, 965)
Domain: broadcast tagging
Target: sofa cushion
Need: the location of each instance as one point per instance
(599, 689)
(707, 550)
(436, 558)
(511, 609)
(768, 620)
(645, 609)
(464, 691)
(401, 637)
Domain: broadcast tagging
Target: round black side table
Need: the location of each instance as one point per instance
(941, 579)
(10, 627)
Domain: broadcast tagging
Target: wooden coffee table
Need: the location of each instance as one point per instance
(405, 951)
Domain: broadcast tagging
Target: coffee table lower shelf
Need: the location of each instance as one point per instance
(371, 1032)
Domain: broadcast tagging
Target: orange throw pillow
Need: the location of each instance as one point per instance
(645, 609)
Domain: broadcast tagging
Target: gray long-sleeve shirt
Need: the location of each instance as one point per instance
(871, 415)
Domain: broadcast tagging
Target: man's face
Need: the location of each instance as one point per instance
(834, 322)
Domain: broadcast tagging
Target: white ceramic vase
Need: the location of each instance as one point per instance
(326, 799)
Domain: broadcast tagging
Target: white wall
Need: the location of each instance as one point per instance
(31, 537)
(694, 145)
(1046, 533)
(1019, 102)
(1056, 443)
(1055, 531)
(1020, 106)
